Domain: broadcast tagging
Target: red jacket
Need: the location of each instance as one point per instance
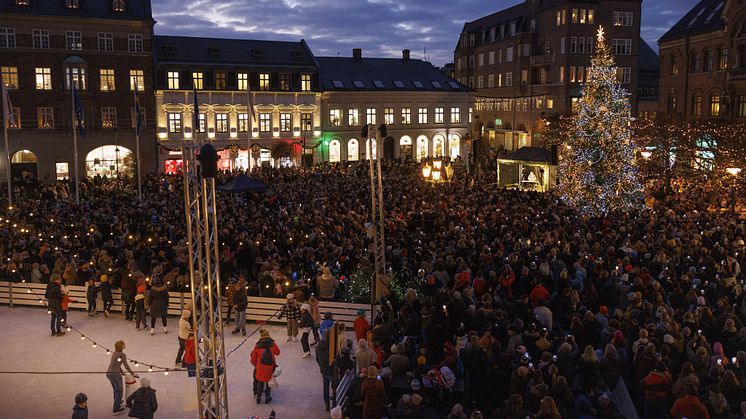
(264, 372)
(539, 293)
(689, 407)
(657, 386)
(361, 327)
(190, 357)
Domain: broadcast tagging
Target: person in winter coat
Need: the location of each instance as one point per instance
(657, 391)
(291, 310)
(373, 394)
(306, 324)
(327, 284)
(129, 290)
(114, 374)
(143, 402)
(326, 369)
(190, 355)
(140, 308)
(364, 356)
(316, 314)
(53, 294)
(185, 328)
(65, 304)
(91, 293)
(80, 410)
(158, 302)
(240, 301)
(689, 406)
(106, 294)
(397, 361)
(361, 325)
(264, 359)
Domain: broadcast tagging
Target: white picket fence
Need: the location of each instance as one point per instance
(260, 309)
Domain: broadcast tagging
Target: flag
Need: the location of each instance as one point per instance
(138, 115)
(250, 101)
(7, 106)
(195, 120)
(78, 111)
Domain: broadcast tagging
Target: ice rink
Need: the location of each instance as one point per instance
(26, 345)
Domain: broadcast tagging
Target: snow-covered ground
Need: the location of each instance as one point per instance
(26, 345)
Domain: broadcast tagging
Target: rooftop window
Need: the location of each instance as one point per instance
(436, 84)
(118, 5)
(418, 84)
(398, 84)
(338, 84)
(358, 84)
(378, 84)
(453, 84)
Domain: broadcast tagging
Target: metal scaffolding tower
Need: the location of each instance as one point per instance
(204, 272)
(379, 281)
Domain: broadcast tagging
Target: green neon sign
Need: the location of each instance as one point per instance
(498, 122)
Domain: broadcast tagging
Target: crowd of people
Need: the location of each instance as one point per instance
(515, 304)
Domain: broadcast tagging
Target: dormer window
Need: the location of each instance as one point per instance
(418, 84)
(23, 3)
(118, 5)
(358, 84)
(72, 4)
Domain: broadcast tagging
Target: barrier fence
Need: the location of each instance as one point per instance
(259, 309)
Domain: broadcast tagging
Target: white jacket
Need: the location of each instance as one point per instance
(185, 325)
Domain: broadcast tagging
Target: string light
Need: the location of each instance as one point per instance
(94, 344)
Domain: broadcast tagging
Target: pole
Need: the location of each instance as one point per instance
(732, 200)
(75, 143)
(7, 158)
(137, 145)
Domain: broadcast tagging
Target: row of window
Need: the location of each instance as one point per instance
(242, 79)
(515, 104)
(715, 109)
(74, 75)
(577, 74)
(45, 118)
(73, 40)
(585, 16)
(116, 5)
(702, 61)
(222, 124)
(353, 116)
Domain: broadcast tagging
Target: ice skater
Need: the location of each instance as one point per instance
(106, 294)
(143, 402)
(91, 294)
(158, 302)
(114, 374)
(185, 329)
(53, 294)
(140, 308)
(306, 325)
(264, 359)
(80, 410)
(291, 310)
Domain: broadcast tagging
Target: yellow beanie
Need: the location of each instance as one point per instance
(104, 278)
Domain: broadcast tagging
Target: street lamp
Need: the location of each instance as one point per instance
(646, 154)
(733, 171)
(426, 171)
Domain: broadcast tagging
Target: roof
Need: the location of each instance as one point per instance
(502, 16)
(134, 9)
(706, 16)
(648, 58)
(347, 73)
(533, 154)
(249, 52)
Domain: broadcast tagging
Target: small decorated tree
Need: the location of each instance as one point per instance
(598, 165)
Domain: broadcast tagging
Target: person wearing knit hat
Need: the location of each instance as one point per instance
(80, 410)
(373, 393)
(143, 402)
(306, 325)
(106, 294)
(264, 359)
(291, 311)
(263, 333)
(140, 308)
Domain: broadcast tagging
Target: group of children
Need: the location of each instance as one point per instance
(104, 287)
(92, 291)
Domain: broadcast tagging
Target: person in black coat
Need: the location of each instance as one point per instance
(53, 294)
(142, 402)
(327, 370)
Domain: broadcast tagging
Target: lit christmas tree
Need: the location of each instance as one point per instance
(598, 165)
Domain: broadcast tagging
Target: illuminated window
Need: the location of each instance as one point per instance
(174, 122)
(590, 16)
(243, 122)
(14, 122)
(173, 80)
(43, 78)
(335, 117)
(422, 115)
(263, 81)
(623, 74)
(697, 105)
(198, 79)
(674, 65)
(582, 16)
(406, 116)
(105, 41)
(137, 80)
(455, 115)
(243, 81)
(715, 105)
(370, 116)
(438, 115)
(45, 117)
(201, 123)
(106, 76)
(574, 15)
(723, 59)
(388, 116)
(353, 117)
(622, 18)
(286, 122)
(75, 76)
(742, 106)
(9, 77)
(221, 122)
(306, 122)
(265, 122)
(305, 82)
(108, 117)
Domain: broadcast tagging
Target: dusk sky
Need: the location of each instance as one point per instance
(382, 28)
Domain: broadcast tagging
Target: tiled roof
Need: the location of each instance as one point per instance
(134, 9)
(347, 73)
(706, 16)
(502, 16)
(212, 51)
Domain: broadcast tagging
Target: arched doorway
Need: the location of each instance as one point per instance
(110, 161)
(23, 165)
(371, 148)
(454, 145)
(353, 152)
(335, 151)
(388, 147)
(438, 145)
(405, 147)
(282, 154)
(421, 147)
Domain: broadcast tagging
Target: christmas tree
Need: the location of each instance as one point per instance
(598, 166)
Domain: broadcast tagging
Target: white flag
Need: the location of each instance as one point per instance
(7, 106)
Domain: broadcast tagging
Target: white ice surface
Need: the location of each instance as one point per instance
(26, 345)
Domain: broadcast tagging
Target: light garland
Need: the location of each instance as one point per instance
(598, 168)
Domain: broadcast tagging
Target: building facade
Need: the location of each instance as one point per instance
(647, 83)
(703, 63)
(427, 113)
(103, 48)
(280, 79)
(530, 60)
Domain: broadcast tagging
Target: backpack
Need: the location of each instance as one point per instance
(447, 378)
(266, 358)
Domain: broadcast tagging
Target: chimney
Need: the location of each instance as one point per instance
(357, 53)
(405, 54)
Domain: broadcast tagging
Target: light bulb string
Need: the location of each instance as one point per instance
(258, 328)
(95, 343)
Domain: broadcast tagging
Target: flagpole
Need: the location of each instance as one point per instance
(137, 143)
(75, 142)
(250, 117)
